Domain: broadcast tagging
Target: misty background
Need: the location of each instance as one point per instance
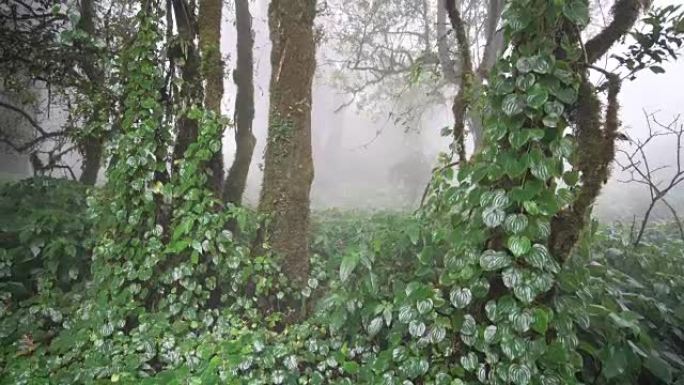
(364, 158)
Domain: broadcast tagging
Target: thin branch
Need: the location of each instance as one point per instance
(636, 162)
(427, 186)
(678, 221)
(25, 115)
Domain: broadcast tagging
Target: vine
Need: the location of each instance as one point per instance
(177, 298)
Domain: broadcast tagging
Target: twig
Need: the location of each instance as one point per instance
(676, 218)
(427, 186)
(636, 162)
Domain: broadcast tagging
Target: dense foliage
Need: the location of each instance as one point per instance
(629, 300)
(157, 281)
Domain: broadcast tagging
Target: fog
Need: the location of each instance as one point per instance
(358, 154)
(363, 159)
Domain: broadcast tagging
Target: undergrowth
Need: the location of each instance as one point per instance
(628, 300)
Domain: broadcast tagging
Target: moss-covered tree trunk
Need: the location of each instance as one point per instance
(244, 105)
(461, 103)
(288, 170)
(209, 26)
(507, 223)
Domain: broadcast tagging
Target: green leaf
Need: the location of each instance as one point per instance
(374, 326)
(460, 298)
(519, 245)
(526, 81)
(614, 361)
(197, 246)
(566, 95)
(539, 257)
(500, 199)
(621, 320)
(513, 166)
(489, 334)
(522, 321)
(541, 64)
(524, 292)
(551, 120)
(413, 230)
(494, 260)
(541, 169)
(469, 361)
(520, 374)
(659, 367)
(571, 178)
(517, 19)
(491, 310)
(350, 367)
(424, 306)
(657, 69)
(416, 328)
(522, 137)
(493, 216)
(516, 223)
(503, 86)
(518, 139)
(554, 108)
(406, 314)
(524, 64)
(531, 207)
(577, 11)
(512, 105)
(348, 265)
(445, 131)
(541, 318)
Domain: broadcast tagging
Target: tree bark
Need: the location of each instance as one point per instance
(91, 149)
(446, 64)
(243, 76)
(191, 89)
(288, 170)
(596, 143)
(92, 146)
(625, 14)
(461, 102)
(493, 48)
(210, 12)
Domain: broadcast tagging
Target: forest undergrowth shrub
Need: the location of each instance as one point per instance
(629, 303)
(45, 249)
(468, 291)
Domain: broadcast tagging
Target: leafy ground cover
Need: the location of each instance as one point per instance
(627, 304)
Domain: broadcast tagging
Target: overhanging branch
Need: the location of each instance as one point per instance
(625, 14)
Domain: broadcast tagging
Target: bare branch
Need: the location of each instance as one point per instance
(25, 115)
(636, 162)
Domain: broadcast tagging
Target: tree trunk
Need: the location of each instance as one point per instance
(91, 149)
(92, 146)
(288, 171)
(461, 102)
(191, 89)
(493, 48)
(244, 105)
(446, 64)
(212, 73)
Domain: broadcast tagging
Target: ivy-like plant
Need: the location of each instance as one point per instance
(177, 299)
